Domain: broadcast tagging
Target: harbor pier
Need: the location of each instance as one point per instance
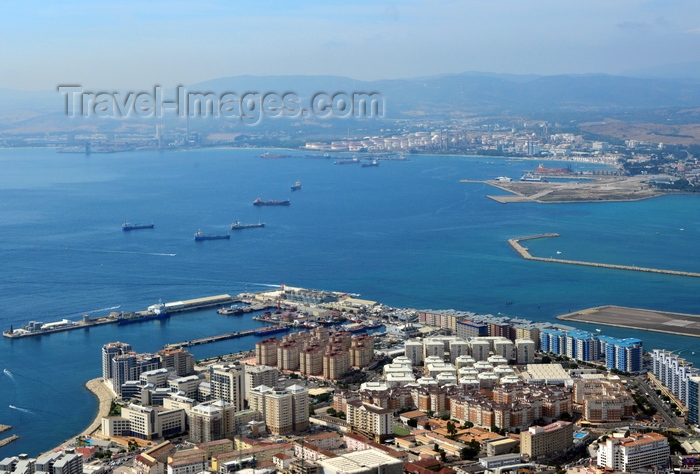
(523, 252)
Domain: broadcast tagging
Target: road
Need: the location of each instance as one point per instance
(661, 409)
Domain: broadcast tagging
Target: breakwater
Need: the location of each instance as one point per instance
(524, 252)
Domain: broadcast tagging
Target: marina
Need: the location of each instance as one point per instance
(523, 251)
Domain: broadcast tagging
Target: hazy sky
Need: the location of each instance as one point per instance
(137, 44)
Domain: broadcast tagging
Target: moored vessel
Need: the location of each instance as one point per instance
(368, 164)
(542, 169)
(533, 178)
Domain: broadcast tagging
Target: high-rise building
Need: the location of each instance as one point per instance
(413, 350)
(109, 351)
(178, 359)
(540, 442)
(335, 363)
(310, 361)
(284, 411)
(227, 383)
(266, 352)
(524, 351)
(370, 420)
(212, 420)
(256, 375)
(129, 367)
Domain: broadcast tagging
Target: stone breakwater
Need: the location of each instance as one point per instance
(523, 251)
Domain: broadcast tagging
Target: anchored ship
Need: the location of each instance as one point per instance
(260, 202)
(202, 236)
(296, 186)
(347, 162)
(274, 155)
(130, 226)
(238, 226)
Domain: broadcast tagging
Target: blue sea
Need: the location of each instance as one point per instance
(407, 234)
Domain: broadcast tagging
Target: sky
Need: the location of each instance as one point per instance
(138, 44)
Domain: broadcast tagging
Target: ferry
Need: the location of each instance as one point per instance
(129, 226)
(533, 178)
(238, 226)
(260, 202)
(199, 236)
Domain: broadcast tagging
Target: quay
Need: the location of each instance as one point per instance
(66, 325)
(207, 340)
(523, 251)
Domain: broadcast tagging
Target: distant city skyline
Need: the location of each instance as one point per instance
(136, 45)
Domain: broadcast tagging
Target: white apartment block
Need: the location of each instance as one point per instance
(639, 451)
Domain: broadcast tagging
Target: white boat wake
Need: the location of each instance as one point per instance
(24, 410)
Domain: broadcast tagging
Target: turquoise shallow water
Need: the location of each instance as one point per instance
(408, 234)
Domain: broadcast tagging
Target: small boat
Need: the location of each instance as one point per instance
(129, 226)
(199, 236)
(504, 179)
(296, 186)
(260, 202)
(238, 226)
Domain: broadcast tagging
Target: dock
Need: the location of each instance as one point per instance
(210, 339)
(172, 308)
(523, 252)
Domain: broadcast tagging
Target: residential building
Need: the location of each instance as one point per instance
(540, 442)
(284, 411)
(227, 383)
(370, 420)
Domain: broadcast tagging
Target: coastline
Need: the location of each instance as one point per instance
(104, 396)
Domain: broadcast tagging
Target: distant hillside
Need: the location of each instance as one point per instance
(578, 97)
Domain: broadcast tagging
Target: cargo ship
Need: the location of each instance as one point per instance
(542, 169)
(260, 202)
(270, 330)
(129, 226)
(274, 155)
(347, 162)
(142, 316)
(198, 236)
(296, 186)
(238, 226)
(367, 164)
